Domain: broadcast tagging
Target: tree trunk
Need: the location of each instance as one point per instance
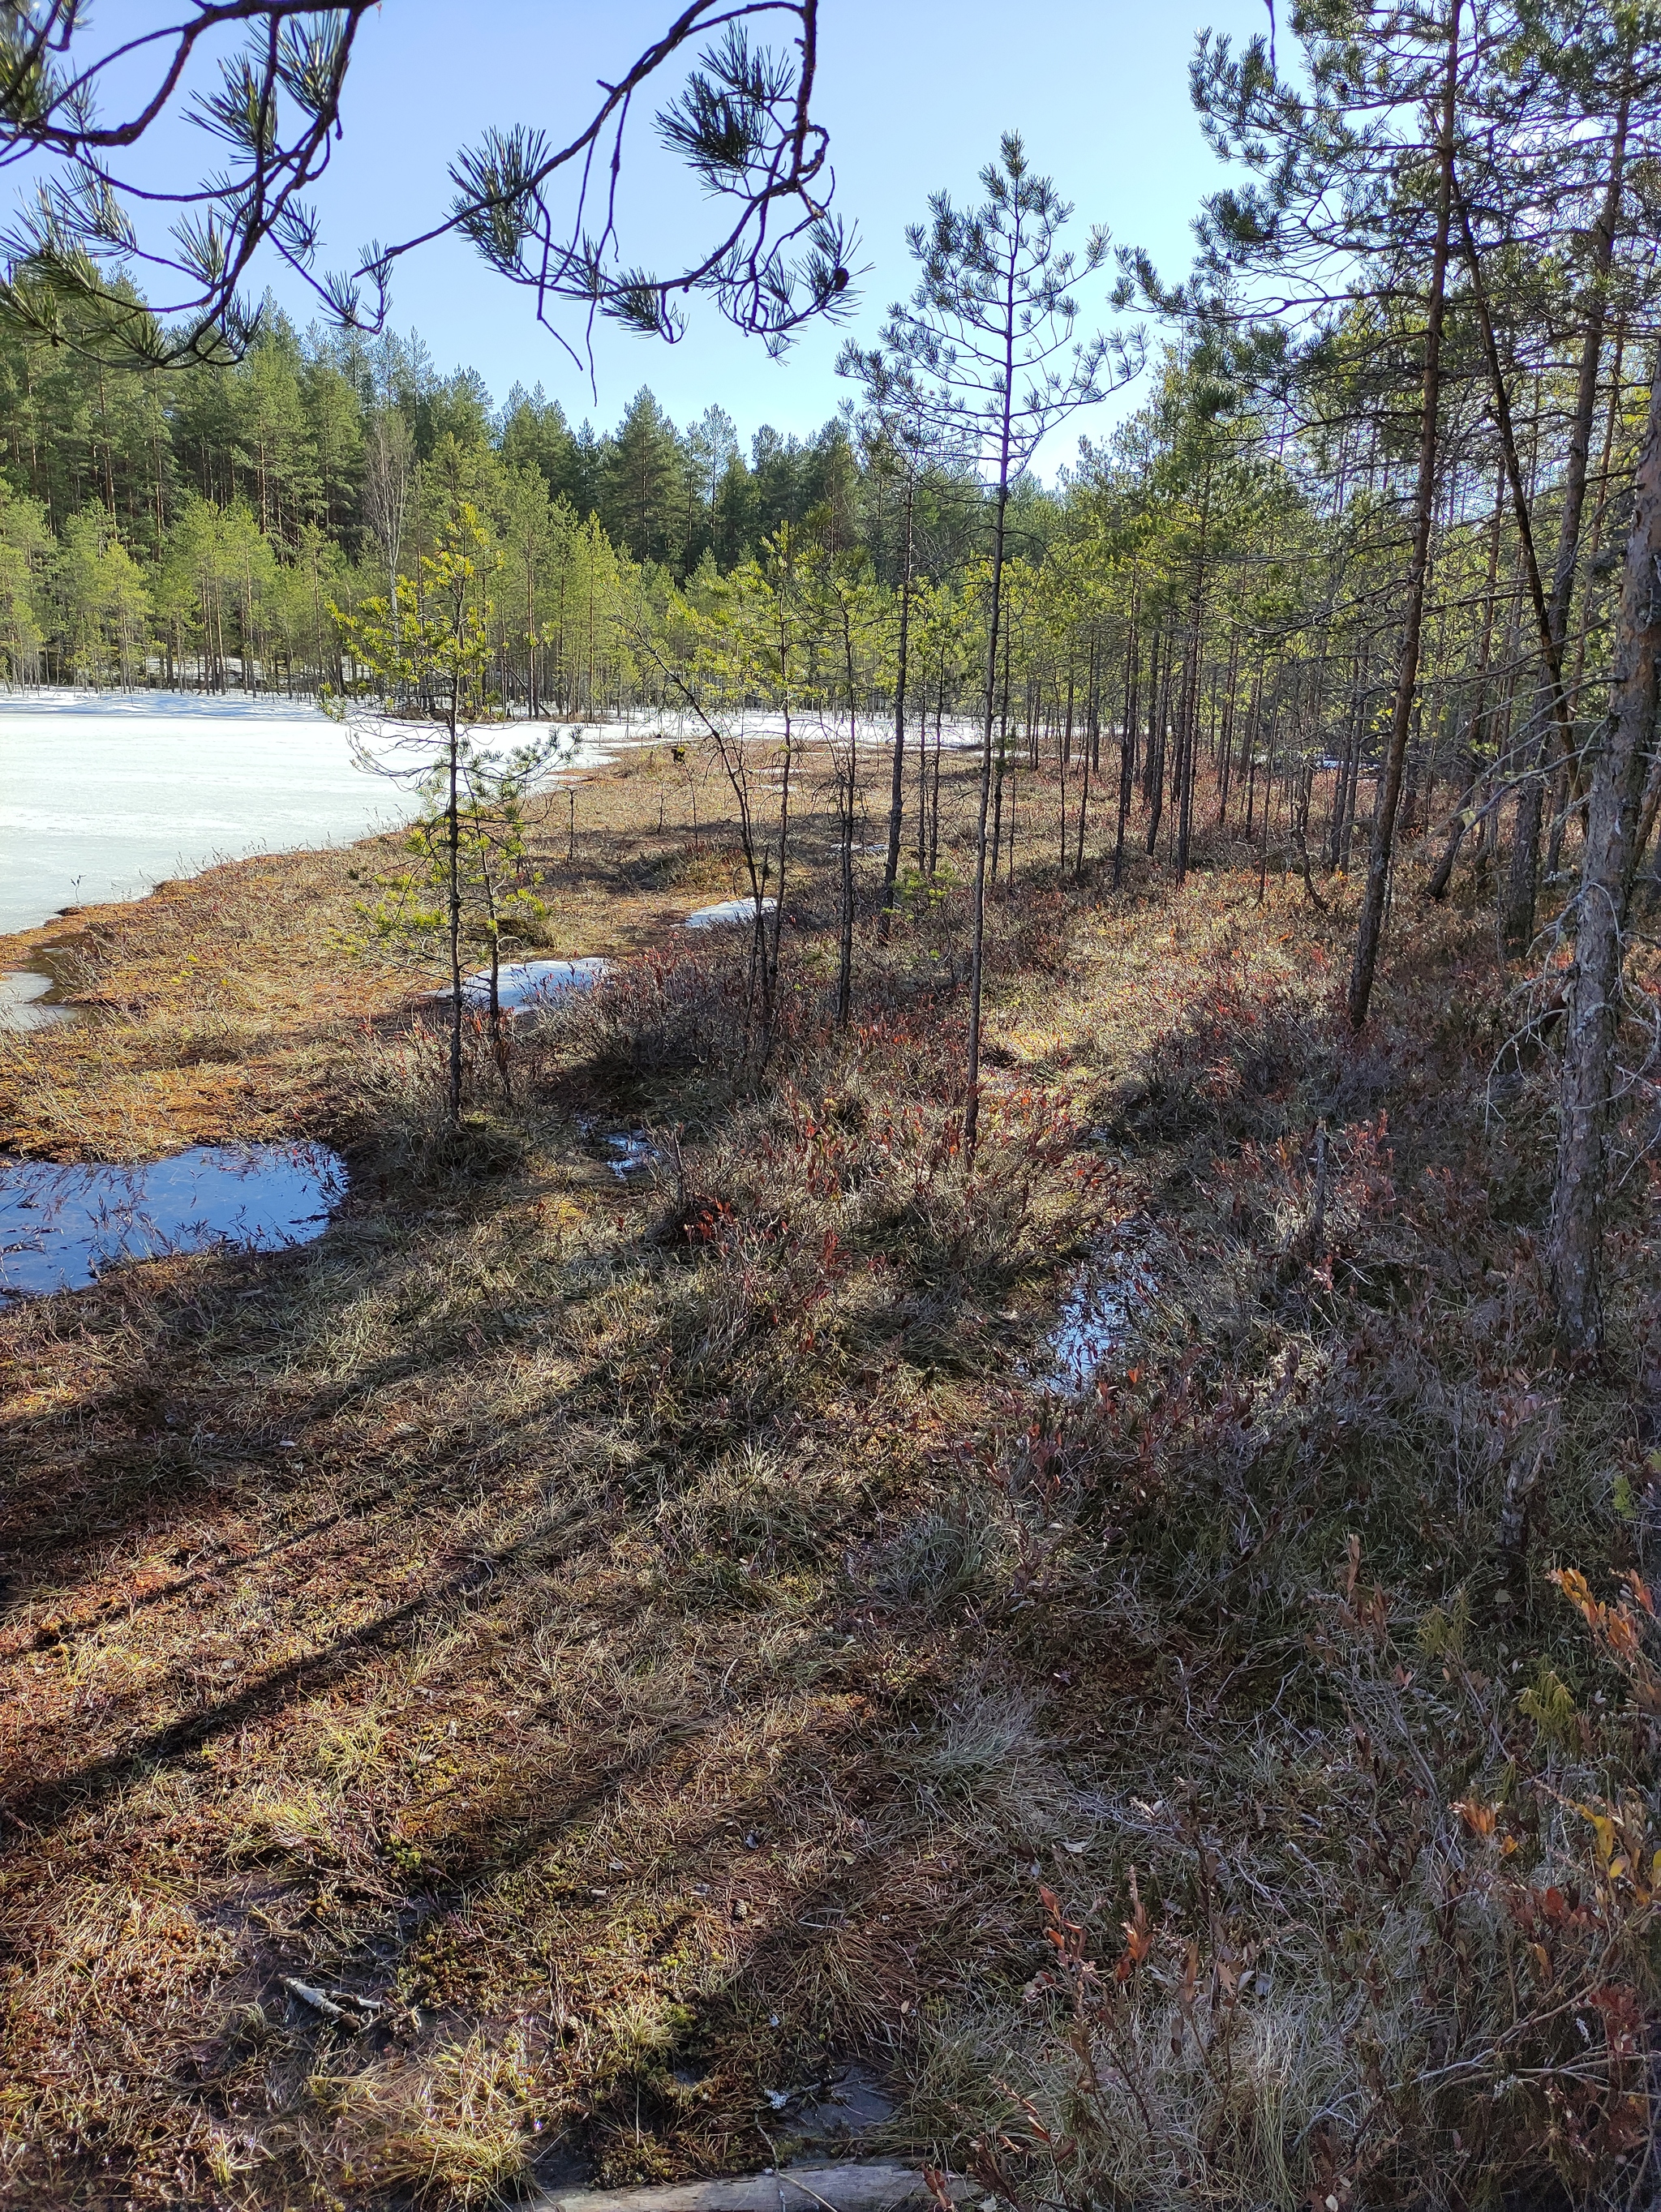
(971, 1108)
(1523, 883)
(1091, 748)
(453, 846)
(897, 788)
(1370, 927)
(1607, 870)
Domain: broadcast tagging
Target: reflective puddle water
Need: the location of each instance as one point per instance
(1097, 1317)
(61, 1228)
(23, 994)
(634, 1152)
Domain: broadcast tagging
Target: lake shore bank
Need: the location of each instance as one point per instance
(218, 991)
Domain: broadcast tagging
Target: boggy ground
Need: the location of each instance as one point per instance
(635, 1651)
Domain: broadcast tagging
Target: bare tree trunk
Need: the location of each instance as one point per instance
(1158, 710)
(971, 1107)
(922, 772)
(845, 933)
(1128, 738)
(935, 781)
(896, 788)
(1091, 749)
(1607, 869)
(1462, 823)
(1370, 928)
(1523, 883)
(453, 849)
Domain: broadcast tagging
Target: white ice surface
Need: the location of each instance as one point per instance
(103, 794)
(729, 911)
(530, 982)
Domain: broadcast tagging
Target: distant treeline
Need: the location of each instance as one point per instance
(194, 527)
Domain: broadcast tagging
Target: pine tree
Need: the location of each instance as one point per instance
(988, 337)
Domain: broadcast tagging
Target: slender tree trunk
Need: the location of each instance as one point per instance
(1460, 825)
(1188, 759)
(1158, 714)
(1518, 903)
(769, 1010)
(923, 773)
(1127, 739)
(453, 856)
(1225, 742)
(897, 788)
(972, 1109)
(934, 786)
(1063, 750)
(1370, 927)
(1091, 748)
(845, 955)
(1150, 770)
(1607, 869)
(1522, 888)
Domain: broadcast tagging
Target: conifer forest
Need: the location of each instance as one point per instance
(943, 1489)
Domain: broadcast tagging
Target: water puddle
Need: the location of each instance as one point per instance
(728, 912)
(61, 1228)
(1098, 1316)
(634, 1152)
(24, 1001)
(828, 2118)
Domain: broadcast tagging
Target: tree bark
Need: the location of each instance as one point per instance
(452, 890)
(896, 788)
(1607, 869)
(1522, 890)
(1370, 927)
(971, 1106)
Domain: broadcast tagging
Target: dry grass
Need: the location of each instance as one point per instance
(632, 1649)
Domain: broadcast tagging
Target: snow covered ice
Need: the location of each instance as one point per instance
(729, 911)
(103, 794)
(521, 983)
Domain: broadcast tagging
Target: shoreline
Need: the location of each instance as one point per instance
(221, 1005)
(111, 793)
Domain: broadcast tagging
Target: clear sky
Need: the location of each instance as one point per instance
(915, 93)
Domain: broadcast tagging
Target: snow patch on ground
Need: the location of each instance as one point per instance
(530, 983)
(729, 912)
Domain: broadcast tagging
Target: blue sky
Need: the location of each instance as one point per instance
(915, 93)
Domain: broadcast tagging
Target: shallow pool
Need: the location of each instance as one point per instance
(61, 1228)
(23, 997)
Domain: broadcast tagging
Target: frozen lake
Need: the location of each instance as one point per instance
(103, 794)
